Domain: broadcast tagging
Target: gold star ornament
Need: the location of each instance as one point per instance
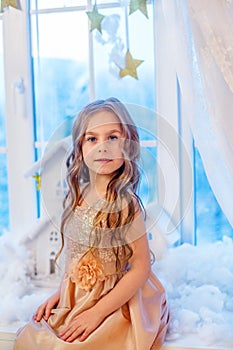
(37, 177)
(95, 19)
(6, 3)
(140, 5)
(130, 66)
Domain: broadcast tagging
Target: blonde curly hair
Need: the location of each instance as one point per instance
(121, 190)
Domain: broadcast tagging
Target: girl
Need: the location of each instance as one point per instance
(108, 297)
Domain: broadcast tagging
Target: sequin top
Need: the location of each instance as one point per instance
(78, 234)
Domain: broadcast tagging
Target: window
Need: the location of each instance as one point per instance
(211, 223)
(130, 29)
(61, 73)
(4, 218)
(72, 66)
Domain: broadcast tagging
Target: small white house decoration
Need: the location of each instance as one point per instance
(43, 239)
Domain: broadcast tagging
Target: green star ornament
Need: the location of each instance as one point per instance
(130, 66)
(95, 18)
(12, 3)
(140, 5)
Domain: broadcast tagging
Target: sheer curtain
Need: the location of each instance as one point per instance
(200, 35)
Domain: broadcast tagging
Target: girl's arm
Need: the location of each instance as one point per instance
(129, 284)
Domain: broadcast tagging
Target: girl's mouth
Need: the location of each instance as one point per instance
(103, 160)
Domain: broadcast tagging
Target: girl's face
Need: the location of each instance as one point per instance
(103, 143)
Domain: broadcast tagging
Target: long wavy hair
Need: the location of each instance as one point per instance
(121, 189)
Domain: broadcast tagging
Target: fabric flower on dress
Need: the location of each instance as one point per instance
(86, 272)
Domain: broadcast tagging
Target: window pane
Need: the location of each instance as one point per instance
(61, 72)
(211, 223)
(62, 48)
(4, 217)
(109, 54)
(148, 184)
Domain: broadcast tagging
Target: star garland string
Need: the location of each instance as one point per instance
(12, 3)
(140, 5)
(95, 19)
(131, 64)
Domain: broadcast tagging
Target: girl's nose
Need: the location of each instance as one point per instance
(103, 147)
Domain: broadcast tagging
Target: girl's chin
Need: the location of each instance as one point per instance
(106, 168)
(104, 172)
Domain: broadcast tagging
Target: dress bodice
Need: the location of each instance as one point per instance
(80, 235)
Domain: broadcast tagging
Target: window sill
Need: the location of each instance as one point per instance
(7, 336)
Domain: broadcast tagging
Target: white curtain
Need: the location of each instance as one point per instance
(200, 36)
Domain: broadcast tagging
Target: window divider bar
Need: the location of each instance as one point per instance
(19, 120)
(74, 8)
(91, 59)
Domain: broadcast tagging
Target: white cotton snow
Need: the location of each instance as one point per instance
(199, 285)
(17, 302)
(198, 281)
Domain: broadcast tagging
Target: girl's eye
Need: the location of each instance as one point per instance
(91, 139)
(113, 137)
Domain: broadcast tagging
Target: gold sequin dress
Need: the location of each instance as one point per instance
(141, 324)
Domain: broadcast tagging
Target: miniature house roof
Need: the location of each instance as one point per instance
(39, 225)
(63, 144)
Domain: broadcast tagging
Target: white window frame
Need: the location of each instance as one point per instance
(19, 119)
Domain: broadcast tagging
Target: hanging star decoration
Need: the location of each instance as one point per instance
(6, 3)
(95, 18)
(140, 5)
(130, 66)
(37, 177)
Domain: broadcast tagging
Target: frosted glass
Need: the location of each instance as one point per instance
(211, 223)
(61, 72)
(111, 47)
(4, 217)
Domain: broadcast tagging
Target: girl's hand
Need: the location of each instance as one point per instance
(81, 326)
(44, 310)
